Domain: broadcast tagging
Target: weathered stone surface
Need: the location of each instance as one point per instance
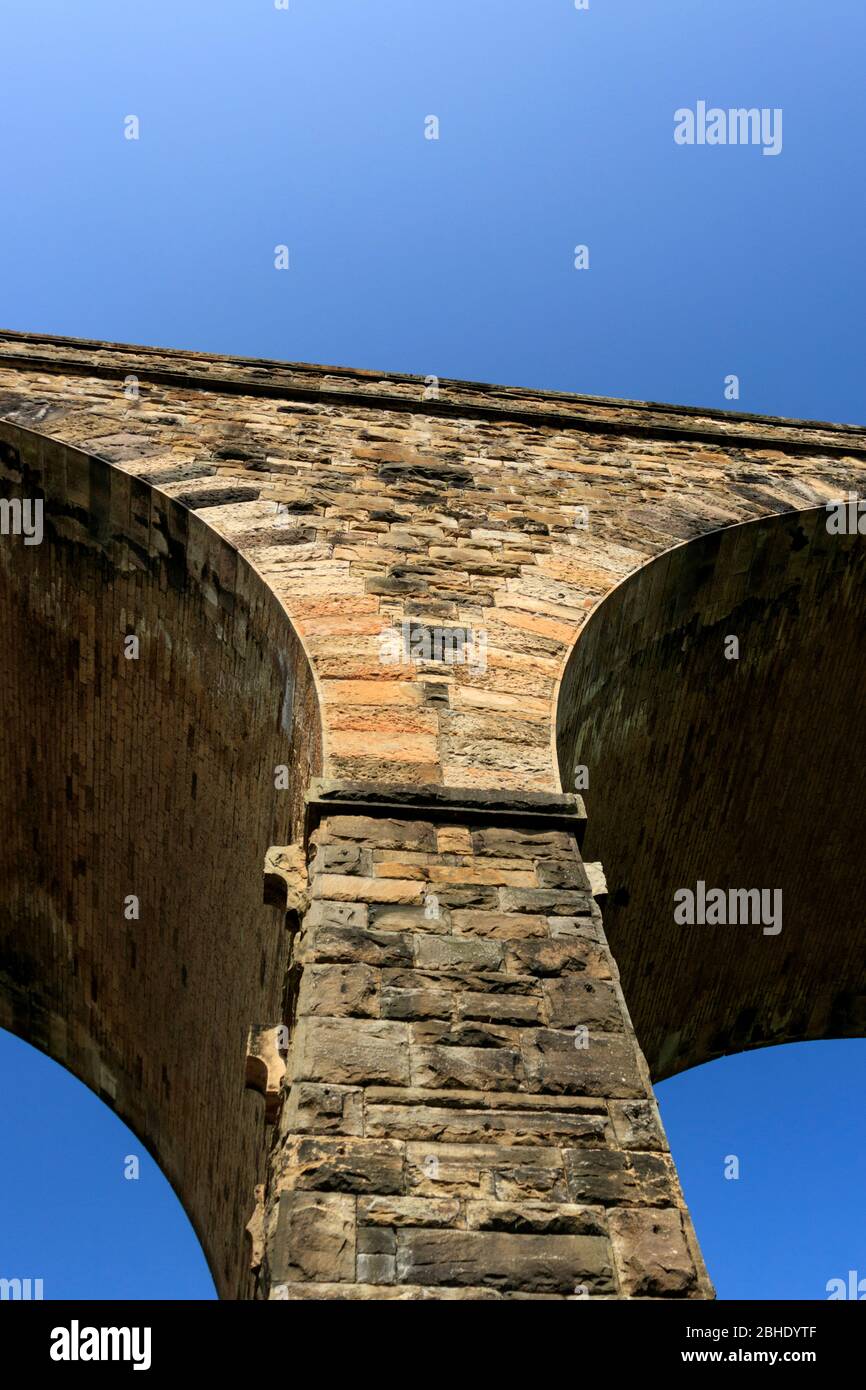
(500, 926)
(558, 1062)
(462, 983)
(432, 1212)
(348, 945)
(530, 1263)
(331, 914)
(634, 1179)
(390, 834)
(343, 859)
(313, 1238)
(377, 1269)
(351, 888)
(316, 1109)
(448, 953)
(564, 873)
(535, 1218)
(559, 902)
(449, 1125)
(330, 1164)
(637, 1124)
(653, 1255)
(337, 991)
(417, 1003)
(429, 918)
(378, 1293)
(575, 1000)
(470, 1068)
(501, 1100)
(555, 957)
(498, 1008)
(506, 1172)
(351, 1052)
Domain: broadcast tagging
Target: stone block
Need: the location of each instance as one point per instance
(341, 1164)
(612, 1178)
(313, 1238)
(575, 999)
(351, 1052)
(528, 1263)
(653, 1256)
(606, 1067)
(338, 991)
(637, 1125)
(318, 1109)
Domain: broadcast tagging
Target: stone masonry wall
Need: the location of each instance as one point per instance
(439, 1129)
(469, 1114)
(364, 500)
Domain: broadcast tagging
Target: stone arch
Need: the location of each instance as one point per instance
(743, 773)
(148, 778)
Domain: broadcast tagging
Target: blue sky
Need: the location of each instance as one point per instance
(452, 257)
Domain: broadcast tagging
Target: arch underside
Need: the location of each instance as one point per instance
(743, 773)
(146, 776)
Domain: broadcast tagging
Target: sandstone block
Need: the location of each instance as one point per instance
(432, 1212)
(382, 833)
(470, 1068)
(502, 926)
(432, 917)
(447, 952)
(348, 945)
(498, 1008)
(339, 991)
(353, 1052)
(549, 957)
(535, 1218)
(314, 1238)
(530, 1263)
(450, 1125)
(607, 1067)
(559, 902)
(505, 1172)
(637, 1125)
(316, 1109)
(416, 1003)
(352, 888)
(453, 839)
(652, 1254)
(574, 1000)
(612, 1178)
(338, 1164)
(377, 1269)
(329, 914)
(563, 873)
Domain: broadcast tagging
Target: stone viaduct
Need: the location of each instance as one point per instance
(311, 905)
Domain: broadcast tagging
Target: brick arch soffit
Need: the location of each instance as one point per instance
(130, 1008)
(632, 702)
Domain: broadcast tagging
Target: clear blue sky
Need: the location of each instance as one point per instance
(454, 257)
